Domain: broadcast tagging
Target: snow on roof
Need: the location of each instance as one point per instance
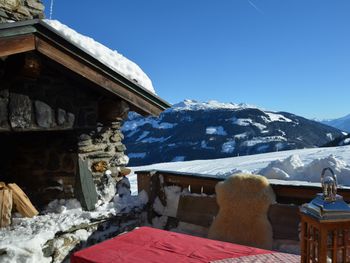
(294, 167)
(111, 58)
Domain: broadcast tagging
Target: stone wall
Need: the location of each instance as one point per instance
(15, 10)
(63, 118)
(49, 101)
(104, 150)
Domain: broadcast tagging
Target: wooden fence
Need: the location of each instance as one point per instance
(200, 209)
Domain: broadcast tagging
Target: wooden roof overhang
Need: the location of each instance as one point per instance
(31, 35)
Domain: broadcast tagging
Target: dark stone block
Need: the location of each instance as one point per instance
(117, 137)
(10, 5)
(24, 11)
(120, 147)
(84, 137)
(61, 117)
(70, 119)
(43, 114)
(20, 108)
(3, 14)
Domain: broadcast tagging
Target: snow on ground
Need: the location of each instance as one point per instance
(135, 122)
(111, 58)
(242, 122)
(241, 136)
(153, 139)
(217, 130)
(228, 147)
(276, 117)
(24, 240)
(288, 167)
(248, 122)
(345, 141)
(258, 140)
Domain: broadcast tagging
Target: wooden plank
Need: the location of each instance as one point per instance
(302, 194)
(5, 207)
(198, 210)
(15, 45)
(21, 202)
(88, 71)
(285, 220)
(182, 180)
(144, 182)
(2, 185)
(85, 188)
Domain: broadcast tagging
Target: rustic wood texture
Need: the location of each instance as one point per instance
(85, 187)
(88, 71)
(21, 202)
(196, 185)
(198, 210)
(15, 45)
(144, 183)
(285, 194)
(285, 221)
(5, 207)
(324, 240)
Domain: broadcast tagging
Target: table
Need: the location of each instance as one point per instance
(147, 244)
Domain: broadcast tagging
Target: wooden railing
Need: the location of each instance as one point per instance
(200, 210)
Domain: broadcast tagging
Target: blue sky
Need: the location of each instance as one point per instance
(282, 55)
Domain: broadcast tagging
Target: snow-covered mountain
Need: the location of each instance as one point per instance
(192, 130)
(340, 141)
(341, 123)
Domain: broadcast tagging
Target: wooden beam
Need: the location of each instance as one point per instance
(15, 45)
(86, 70)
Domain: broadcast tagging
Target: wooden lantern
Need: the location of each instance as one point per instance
(325, 225)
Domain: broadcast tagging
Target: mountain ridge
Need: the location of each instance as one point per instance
(342, 123)
(193, 130)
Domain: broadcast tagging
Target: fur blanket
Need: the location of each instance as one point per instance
(244, 200)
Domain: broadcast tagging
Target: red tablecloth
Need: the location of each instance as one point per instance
(147, 244)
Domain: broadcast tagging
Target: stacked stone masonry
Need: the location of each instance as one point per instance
(16, 10)
(50, 120)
